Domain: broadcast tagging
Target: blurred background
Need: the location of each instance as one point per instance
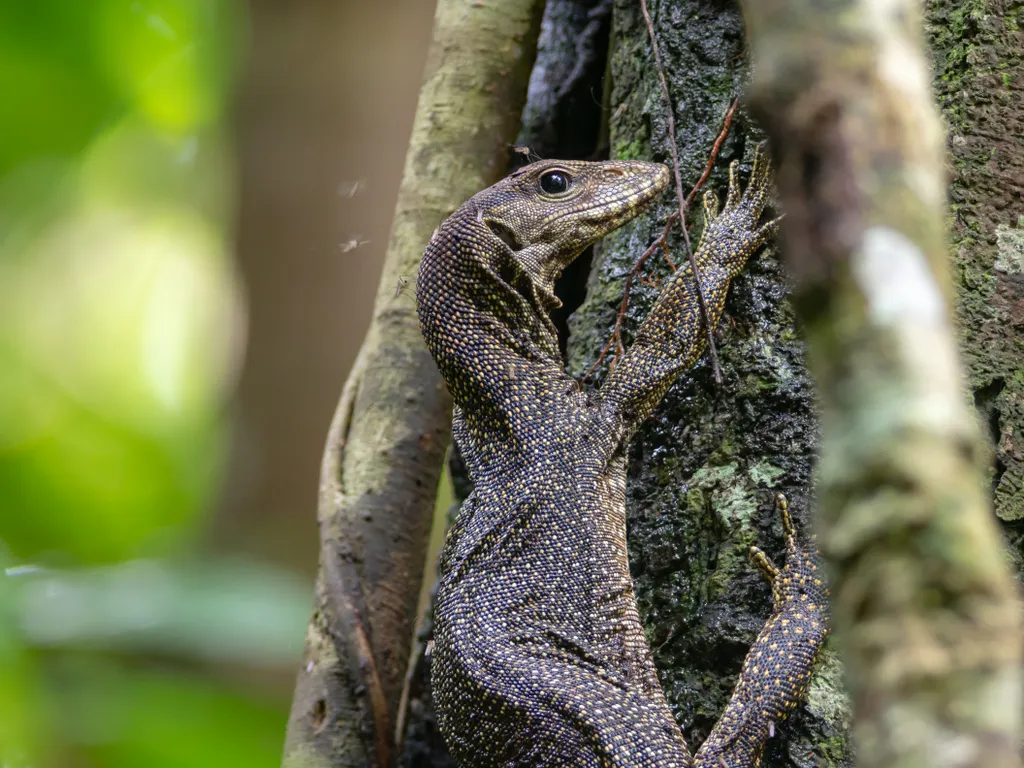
(195, 198)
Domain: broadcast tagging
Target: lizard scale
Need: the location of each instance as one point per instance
(540, 658)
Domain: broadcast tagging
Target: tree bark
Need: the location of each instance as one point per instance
(925, 607)
(388, 438)
(705, 467)
(978, 52)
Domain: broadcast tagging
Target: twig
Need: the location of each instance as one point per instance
(616, 337)
(662, 242)
(714, 155)
(670, 113)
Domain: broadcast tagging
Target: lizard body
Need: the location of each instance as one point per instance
(540, 658)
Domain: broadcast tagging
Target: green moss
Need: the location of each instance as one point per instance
(834, 751)
(733, 564)
(695, 500)
(637, 148)
(955, 47)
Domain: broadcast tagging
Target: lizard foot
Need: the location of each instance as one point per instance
(800, 580)
(778, 667)
(733, 236)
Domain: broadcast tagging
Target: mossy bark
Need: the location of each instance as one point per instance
(978, 51)
(392, 427)
(705, 467)
(924, 605)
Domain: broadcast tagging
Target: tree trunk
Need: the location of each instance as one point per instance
(391, 429)
(978, 50)
(705, 467)
(924, 605)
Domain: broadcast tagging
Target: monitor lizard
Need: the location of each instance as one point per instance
(539, 655)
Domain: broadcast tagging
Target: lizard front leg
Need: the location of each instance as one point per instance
(672, 337)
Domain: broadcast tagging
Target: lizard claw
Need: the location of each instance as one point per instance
(710, 201)
(801, 578)
(760, 184)
(764, 564)
(759, 187)
(732, 198)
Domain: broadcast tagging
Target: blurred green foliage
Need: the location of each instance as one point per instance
(121, 330)
(119, 308)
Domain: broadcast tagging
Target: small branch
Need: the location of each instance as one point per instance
(670, 112)
(616, 337)
(727, 122)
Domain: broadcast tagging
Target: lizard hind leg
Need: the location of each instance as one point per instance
(778, 666)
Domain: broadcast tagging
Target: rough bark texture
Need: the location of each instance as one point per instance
(705, 466)
(924, 603)
(978, 50)
(389, 435)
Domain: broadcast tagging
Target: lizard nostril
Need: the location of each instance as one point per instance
(614, 172)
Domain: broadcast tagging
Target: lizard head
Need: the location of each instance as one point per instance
(489, 270)
(549, 211)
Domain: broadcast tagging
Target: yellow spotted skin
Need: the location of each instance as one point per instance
(539, 656)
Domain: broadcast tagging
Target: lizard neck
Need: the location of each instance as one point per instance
(486, 319)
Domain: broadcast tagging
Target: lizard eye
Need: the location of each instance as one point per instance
(555, 182)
